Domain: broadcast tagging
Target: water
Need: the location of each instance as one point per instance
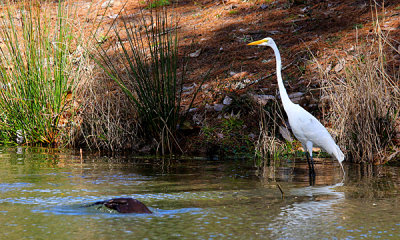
(42, 192)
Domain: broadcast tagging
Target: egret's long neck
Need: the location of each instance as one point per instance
(282, 91)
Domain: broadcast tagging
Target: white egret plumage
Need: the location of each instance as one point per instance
(305, 127)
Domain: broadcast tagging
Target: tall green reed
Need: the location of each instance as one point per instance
(144, 63)
(37, 71)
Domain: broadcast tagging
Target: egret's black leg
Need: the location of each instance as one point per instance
(308, 161)
(311, 170)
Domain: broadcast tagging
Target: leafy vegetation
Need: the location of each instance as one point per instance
(228, 135)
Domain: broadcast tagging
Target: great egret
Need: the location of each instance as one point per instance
(307, 129)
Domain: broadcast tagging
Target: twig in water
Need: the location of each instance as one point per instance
(280, 189)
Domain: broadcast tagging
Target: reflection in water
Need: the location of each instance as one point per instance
(328, 172)
(42, 191)
(313, 206)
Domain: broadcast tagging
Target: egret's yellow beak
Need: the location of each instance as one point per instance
(258, 42)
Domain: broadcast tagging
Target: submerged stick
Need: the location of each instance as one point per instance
(280, 189)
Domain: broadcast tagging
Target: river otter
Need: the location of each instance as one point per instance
(124, 205)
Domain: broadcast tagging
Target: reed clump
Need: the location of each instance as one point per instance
(108, 123)
(40, 64)
(143, 62)
(364, 103)
(275, 140)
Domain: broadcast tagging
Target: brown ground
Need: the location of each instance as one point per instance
(220, 29)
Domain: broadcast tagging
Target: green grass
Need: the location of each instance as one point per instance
(37, 72)
(149, 78)
(233, 12)
(157, 3)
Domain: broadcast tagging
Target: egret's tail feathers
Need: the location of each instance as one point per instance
(344, 173)
(339, 154)
(340, 157)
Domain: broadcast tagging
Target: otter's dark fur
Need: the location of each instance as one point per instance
(124, 205)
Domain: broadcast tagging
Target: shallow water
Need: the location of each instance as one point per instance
(42, 192)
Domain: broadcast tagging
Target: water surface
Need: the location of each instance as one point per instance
(42, 192)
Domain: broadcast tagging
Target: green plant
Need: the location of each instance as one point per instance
(149, 59)
(233, 12)
(227, 136)
(157, 3)
(233, 123)
(38, 71)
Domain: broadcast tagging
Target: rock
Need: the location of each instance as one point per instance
(218, 107)
(304, 9)
(296, 97)
(239, 85)
(186, 88)
(197, 119)
(239, 75)
(273, 32)
(339, 66)
(262, 99)
(193, 110)
(113, 16)
(195, 54)
(107, 4)
(208, 107)
(227, 101)
(264, 6)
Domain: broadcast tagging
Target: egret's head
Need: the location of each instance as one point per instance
(264, 42)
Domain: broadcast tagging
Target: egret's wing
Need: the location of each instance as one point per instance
(307, 128)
